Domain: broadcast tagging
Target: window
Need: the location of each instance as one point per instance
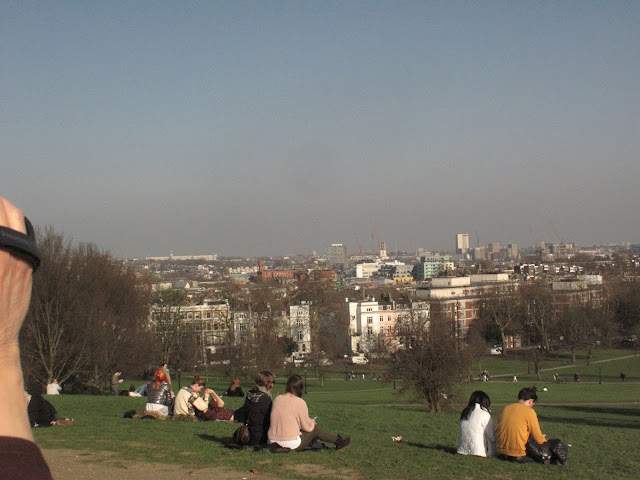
(190, 315)
(304, 347)
(197, 315)
(300, 336)
(389, 329)
(388, 318)
(299, 322)
(370, 330)
(381, 329)
(208, 314)
(369, 319)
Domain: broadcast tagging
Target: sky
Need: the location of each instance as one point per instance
(248, 128)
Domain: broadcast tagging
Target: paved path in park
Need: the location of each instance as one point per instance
(571, 366)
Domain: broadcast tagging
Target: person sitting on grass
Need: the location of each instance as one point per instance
(256, 411)
(159, 394)
(477, 433)
(517, 422)
(189, 402)
(234, 389)
(41, 412)
(291, 428)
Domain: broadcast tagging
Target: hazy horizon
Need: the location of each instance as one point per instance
(278, 128)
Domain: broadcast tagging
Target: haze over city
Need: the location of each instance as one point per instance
(275, 128)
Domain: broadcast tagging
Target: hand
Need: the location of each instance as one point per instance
(15, 282)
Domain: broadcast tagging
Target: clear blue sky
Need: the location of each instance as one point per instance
(270, 128)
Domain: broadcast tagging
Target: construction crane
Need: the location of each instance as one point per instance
(358, 243)
(477, 238)
(555, 230)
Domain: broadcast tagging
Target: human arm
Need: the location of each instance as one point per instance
(534, 428)
(216, 398)
(15, 294)
(490, 438)
(306, 423)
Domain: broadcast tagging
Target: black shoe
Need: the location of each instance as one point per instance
(275, 448)
(342, 442)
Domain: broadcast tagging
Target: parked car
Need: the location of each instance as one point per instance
(496, 350)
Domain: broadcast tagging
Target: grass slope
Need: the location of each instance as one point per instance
(600, 421)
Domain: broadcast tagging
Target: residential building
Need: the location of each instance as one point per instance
(337, 255)
(373, 323)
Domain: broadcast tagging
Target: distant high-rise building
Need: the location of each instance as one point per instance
(462, 243)
(383, 251)
(479, 253)
(494, 247)
(337, 255)
(512, 251)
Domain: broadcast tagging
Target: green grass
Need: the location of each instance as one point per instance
(600, 421)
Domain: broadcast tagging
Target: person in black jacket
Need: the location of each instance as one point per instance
(234, 389)
(256, 411)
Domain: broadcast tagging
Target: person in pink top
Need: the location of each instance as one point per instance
(291, 428)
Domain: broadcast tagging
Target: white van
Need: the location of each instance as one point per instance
(359, 360)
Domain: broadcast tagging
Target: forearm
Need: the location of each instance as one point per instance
(216, 398)
(536, 432)
(14, 421)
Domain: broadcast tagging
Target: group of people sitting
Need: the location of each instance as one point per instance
(282, 423)
(162, 401)
(517, 436)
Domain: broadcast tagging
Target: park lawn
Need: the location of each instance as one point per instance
(601, 422)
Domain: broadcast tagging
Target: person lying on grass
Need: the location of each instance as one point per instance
(291, 428)
(189, 402)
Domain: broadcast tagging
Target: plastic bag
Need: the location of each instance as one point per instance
(559, 451)
(541, 453)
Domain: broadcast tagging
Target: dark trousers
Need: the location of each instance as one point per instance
(318, 433)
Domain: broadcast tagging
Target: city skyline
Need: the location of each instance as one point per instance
(267, 129)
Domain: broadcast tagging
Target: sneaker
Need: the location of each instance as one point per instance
(342, 442)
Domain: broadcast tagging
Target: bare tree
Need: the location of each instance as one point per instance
(428, 363)
(539, 312)
(55, 344)
(501, 312)
(88, 314)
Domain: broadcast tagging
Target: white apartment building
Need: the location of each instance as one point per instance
(373, 323)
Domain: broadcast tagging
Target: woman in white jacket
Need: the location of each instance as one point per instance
(477, 432)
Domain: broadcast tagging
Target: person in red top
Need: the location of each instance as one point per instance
(517, 422)
(19, 257)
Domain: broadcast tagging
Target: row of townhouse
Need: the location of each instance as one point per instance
(373, 323)
(215, 326)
